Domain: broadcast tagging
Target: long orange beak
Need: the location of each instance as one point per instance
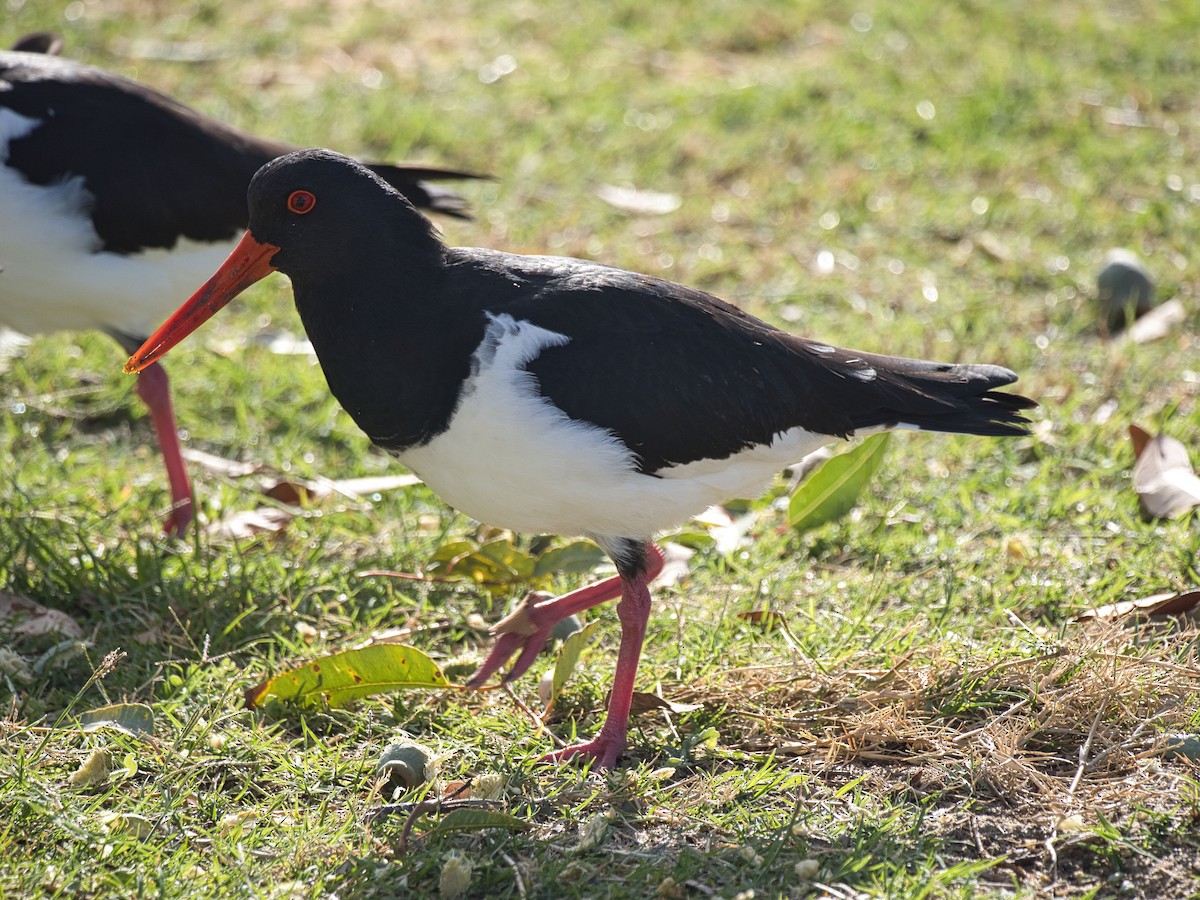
(249, 262)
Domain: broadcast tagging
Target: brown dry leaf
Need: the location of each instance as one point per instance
(1168, 604)
(31, 619)
(250, 523)
(1140, 438)
(291, 493)
(766, 619)
(643, 703)
(1163, 476)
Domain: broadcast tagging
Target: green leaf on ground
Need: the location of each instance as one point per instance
(338, 679)
(568, 659)
(577, 558)
(136, 719)
(831, 491)
(477, 820)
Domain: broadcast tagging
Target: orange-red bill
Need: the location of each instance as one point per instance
(249, 262)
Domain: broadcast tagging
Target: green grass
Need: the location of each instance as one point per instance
(928, 702)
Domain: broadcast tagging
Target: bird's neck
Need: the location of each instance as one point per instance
(395, 348)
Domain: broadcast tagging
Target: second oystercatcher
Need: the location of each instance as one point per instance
(545, 394)
(115, 200)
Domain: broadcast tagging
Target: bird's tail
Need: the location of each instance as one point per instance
(931, 396)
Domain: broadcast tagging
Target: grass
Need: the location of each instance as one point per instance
(933, 721)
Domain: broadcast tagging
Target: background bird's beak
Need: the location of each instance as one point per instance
(249, 262)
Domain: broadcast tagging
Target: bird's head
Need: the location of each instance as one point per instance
(316, 216)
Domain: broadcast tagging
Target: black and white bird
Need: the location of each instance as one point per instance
(545, 394)
(115, 201)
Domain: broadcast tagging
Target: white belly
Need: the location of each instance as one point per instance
(512, 459)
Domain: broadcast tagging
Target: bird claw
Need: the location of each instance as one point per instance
(521, 621)
(179, 520)
(603, 750)
(523, 629)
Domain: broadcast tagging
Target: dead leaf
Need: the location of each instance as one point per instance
(676, 565)
(1140, 438)
(766, 619)
(357, 488)
(230, 468)
(643, 703)
(298, 492)
(1163, 476)
(630, 199)
(31, 619)
(1168, 604)
(250, 523)
(289, 493)
(1159, 323)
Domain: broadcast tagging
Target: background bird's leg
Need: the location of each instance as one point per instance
(155, 391)
(634, 613)
(528, 626)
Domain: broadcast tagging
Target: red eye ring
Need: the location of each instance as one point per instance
(301, 202)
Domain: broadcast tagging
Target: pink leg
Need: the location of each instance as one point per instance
(606, 747)
(527, 627)
(155, 391)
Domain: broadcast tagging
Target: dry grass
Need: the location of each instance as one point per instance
(1060, 730)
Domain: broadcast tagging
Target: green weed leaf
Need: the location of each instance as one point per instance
(477, 820)
(831, 491)
(338, 679)
(568, 659)
(136, 719)
(576, 558)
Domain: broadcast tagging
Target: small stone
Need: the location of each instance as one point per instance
(546, 686)
(564, 628)
(1124, 289)
(1072, 824)
(1182, 746)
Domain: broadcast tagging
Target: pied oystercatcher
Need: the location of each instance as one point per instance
(545, 394)
(115, 200)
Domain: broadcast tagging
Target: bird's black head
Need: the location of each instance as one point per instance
(326, 213)
(335, 228)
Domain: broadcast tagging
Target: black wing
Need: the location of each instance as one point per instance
(680, 375)
(157, 170)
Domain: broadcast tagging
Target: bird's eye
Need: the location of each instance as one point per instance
(301, 202)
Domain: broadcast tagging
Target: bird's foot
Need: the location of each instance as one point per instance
(526, 628)
(603, 749)
(179, 520)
